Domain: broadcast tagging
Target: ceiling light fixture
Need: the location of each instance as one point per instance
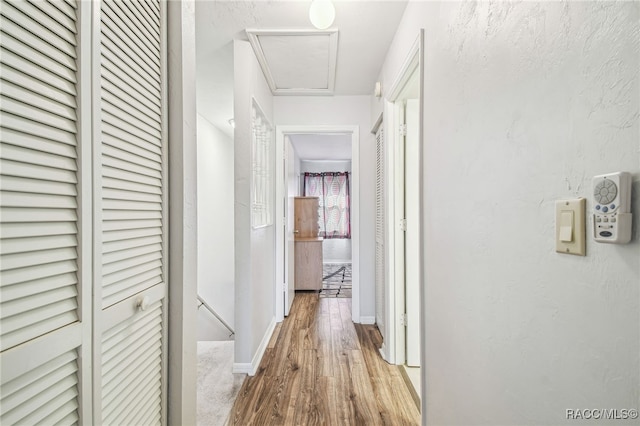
(322, 13)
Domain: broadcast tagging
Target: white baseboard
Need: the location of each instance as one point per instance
(252, 368)
(241, 368)
(367, 320)
(383, 353)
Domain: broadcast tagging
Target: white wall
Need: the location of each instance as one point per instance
(345, 110)
(334, 250)
(215, 230)
(254, 249)
(524, 103)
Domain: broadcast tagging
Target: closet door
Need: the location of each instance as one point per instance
(44, 323)
(380, 224)
(131, 214)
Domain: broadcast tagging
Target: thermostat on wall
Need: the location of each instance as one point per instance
(612, 208)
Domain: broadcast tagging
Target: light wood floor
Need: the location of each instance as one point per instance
(321, 369)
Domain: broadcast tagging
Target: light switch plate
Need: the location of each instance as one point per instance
(570, 226)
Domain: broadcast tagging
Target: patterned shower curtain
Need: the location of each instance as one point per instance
(332, 188)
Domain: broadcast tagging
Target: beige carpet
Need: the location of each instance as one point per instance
(217, 386)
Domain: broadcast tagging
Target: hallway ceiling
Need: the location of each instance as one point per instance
(366, 29)
(322, 147)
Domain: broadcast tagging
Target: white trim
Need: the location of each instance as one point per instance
(253, 35)
(252, 368)
(422, 285)
(410, 64)
(377, 124)
(394, 347)
(86, 49)
(354, 131)
(368, 320)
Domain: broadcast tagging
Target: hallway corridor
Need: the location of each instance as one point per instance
(320, 368)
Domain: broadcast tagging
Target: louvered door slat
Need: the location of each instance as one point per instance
(58, 49)
(130, 243)
(41, 272)
(130, 387)
(13, 183)
(16, 230)
(17, 63)
(56, 15)
(117, 229)
(150, 10)
(36, 287)
(123, 19)
(9, 74)
(138, 129)
(17, 199)
(131, 120)
(37, 171)
(131, 186)
(41, 391)
(141, 22)
(132, 211)
(126, 161)
(65, 8)
(37, 157)
(23, 245)
(40, 130)
(64, 70)
(129, 277)
(113, 138)
(38, 321)
(23, 215)
(38, 213)
(36, 143)
(118, 65)
(35, 113)
(125, 175)
(141, 49)
(66, 29)
(114, 94)
(154, 166)
(127, 52)
(53, 106)
(133, 285)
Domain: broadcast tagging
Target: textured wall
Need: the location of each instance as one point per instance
(215, 230)
(254, 253)
(533, 100)
(524, 103)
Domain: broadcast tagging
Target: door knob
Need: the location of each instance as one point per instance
(295, 231)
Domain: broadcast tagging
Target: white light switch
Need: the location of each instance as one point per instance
(566, 226)
(570, 226)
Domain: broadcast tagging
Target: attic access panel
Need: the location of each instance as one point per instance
(297, 62)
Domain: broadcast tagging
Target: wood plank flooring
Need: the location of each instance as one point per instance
(321, 369)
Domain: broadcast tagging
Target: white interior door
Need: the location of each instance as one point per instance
(412, 237)
(130, 212)
(45, 315)
(380, 234)
(291, 183)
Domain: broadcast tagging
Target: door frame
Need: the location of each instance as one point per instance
(281, 132)
(393, 349)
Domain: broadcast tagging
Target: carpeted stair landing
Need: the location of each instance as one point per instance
(217, 385)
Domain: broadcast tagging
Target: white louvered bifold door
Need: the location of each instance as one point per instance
(41, 327)
(379, 251)
(132, 213)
